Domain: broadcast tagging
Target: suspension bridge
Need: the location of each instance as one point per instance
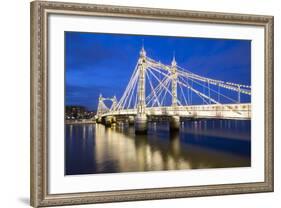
(158, 90)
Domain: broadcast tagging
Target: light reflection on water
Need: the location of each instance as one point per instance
(93, 148)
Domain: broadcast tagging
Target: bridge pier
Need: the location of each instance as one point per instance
(141, 124)
(174, 123)
(98, 120)
(131, 120)
(109, 120)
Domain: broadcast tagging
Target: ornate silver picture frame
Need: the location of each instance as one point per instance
(40, 85)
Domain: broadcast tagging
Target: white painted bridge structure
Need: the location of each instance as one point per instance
(157, 89)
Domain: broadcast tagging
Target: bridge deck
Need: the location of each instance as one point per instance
(224, 111)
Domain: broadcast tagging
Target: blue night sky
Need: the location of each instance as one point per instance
(103, 63)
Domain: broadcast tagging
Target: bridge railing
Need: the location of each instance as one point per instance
(224, 111)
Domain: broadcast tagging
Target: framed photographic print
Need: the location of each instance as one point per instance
(140, 103)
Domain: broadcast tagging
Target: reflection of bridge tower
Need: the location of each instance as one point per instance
(141, 118)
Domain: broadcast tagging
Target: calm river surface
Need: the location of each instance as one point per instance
(93, 148)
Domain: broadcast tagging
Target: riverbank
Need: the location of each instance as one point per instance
(82, 121)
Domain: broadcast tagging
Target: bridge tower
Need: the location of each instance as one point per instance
(100, 109)
(174, 76)
(141, 118)
(100, 106)
(114, 103)
(174, 120)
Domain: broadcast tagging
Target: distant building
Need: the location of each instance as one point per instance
(76, 112)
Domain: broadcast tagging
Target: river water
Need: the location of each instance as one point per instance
(201, 144)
